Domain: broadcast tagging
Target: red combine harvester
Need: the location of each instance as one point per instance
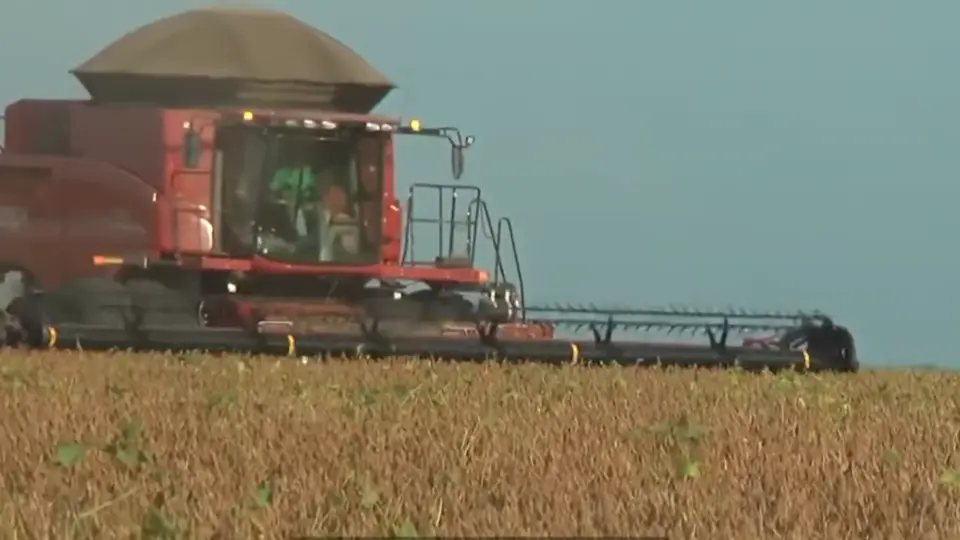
(227, 188)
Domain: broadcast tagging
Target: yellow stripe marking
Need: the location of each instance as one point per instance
(291, 345)
(574, 353)
(806, 360)
(51, 337)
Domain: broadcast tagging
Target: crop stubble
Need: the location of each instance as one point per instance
(114, 445)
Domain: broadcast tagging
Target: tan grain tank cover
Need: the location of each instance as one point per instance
(234, 43)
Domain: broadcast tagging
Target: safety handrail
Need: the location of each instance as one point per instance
(474, 209)
(478, 221)
(482, 210)
(483, 213)
(444, 244)
(496, 237)
(505, 221)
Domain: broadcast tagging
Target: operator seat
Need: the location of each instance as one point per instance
(343, 231)
(206, 235)
(335, 201)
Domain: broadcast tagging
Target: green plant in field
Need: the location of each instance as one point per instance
(892, 458)
(220, 402)
(15, 378)
(680, 431)
(117, 389)
(157, 524)
(683, 439)
(361, 494)
(787, 382)
(687, 467)
(368, 396)
(300, 390)
(126, 447)
(369, 497)
(950, 479)
(67, 454)
(404, 529)
(263, 496)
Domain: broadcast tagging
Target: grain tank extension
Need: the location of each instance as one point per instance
(227, 187)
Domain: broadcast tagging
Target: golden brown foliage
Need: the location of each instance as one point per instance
(103, 446)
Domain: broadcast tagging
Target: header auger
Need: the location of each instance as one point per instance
(256, 211)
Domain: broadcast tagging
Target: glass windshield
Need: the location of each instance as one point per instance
(316, 199)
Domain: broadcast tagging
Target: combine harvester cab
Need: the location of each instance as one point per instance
(205, 199)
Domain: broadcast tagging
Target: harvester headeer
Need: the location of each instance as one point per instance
(255, 212)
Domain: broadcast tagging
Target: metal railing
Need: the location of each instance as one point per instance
(447, 226)
(476, 221)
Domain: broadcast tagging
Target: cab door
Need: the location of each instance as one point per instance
(240, 156)
(370, 189)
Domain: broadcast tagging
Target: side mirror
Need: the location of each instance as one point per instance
(192, 147)
(456, 156)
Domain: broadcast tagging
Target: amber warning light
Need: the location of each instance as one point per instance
(103, 260)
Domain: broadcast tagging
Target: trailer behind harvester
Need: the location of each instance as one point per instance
(227, 188)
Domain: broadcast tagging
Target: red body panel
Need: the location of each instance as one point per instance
(186, 199)
(79, 179)
(68, 187)
(392, 216)
(79, 206)
(314, 315)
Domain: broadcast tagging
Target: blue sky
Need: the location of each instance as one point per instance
(747, 153)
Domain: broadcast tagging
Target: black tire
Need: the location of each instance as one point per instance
(849, 363)
(163, 306)
(23, 320)
(94, 301)
(20, 312)
(836, 347)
